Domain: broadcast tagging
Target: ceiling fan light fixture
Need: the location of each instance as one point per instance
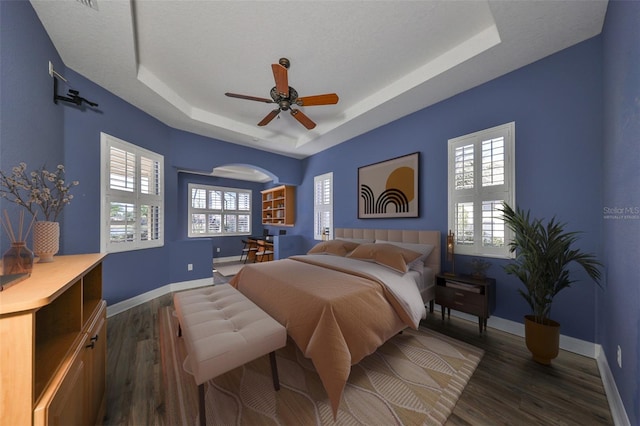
(285, 96)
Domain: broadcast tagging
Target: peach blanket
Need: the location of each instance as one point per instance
(335, 317)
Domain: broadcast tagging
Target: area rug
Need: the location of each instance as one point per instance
(415, 378)
(229, 270)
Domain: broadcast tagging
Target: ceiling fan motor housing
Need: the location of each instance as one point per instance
(284, 102)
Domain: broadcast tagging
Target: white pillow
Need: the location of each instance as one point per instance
(424, 250)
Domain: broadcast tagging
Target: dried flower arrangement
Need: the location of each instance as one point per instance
(38, 190)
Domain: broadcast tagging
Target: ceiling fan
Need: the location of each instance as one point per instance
(286, 97)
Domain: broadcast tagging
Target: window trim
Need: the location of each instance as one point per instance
(192, 210)
(107, 195)
(478, 194)
(320, 208)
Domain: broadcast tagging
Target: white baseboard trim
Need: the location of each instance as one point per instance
(226, 259)
(616, 405)
(119, 307)
(571, 344)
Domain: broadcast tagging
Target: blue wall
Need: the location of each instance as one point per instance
(556, 104)
(30, 123)
(620, 308)
(570, 162)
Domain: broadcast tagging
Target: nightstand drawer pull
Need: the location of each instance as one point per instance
(459, 303)
(457, 293)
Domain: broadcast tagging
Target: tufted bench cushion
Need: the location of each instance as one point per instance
(223, 330)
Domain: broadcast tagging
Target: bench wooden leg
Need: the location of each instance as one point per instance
(203, 416)
(274, 371)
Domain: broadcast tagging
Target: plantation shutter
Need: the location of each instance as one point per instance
(481, 180)
(323, 205)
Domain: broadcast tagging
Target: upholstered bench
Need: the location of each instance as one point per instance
(222, 330)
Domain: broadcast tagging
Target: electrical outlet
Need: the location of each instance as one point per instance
(218, 249)
(190, 267)
(619, 356)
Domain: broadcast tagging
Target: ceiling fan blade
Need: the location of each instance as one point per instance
(327, 99)
(250, 98)
(303, 119)
(269, 117)
(280, 75)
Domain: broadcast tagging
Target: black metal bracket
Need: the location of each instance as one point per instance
(72, 97)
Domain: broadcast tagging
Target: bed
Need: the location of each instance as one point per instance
(348, 296)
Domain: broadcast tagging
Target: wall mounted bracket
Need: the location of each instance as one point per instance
(73, 96)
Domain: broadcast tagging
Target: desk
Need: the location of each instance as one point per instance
(283, 246)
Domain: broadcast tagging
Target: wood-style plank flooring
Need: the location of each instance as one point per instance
(507, 388)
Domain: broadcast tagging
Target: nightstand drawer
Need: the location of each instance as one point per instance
(472, 303)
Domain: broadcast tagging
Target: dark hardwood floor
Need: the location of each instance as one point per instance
(507, 388)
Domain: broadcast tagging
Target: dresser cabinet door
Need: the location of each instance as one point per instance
(63, 403)
(95, 351)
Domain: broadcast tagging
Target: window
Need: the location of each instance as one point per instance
(481, 179)
(132, 213)
(323, 205)
(216, 211)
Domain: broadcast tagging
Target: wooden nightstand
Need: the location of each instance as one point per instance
(465, 293)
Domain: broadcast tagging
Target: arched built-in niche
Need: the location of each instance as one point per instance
(244, 172)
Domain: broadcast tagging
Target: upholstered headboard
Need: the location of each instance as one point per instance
(402, 236)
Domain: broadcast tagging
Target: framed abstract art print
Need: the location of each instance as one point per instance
(389, 189)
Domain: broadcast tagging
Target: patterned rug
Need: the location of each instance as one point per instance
(415, 378)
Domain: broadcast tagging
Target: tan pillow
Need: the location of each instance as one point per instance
(424, 250)
(333, 247)
(389, 255)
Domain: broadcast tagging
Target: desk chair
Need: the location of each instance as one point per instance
(265, 251)
(249, 250)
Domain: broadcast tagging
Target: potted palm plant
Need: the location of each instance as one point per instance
(544, 252)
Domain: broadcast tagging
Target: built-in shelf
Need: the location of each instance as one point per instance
(278, 206)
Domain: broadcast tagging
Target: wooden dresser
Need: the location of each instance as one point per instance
(53, 343)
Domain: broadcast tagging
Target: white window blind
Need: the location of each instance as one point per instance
(218, 211)
(481, 179)
(323, 205)
(132, 212)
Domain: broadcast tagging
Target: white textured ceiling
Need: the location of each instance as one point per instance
(384, 59)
